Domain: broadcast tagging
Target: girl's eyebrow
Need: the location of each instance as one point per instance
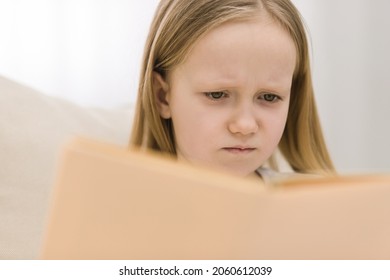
(226, 84)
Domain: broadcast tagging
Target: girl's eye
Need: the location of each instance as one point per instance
(216, 95)
(269, 97)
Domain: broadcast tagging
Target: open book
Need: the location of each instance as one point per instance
(111, 203)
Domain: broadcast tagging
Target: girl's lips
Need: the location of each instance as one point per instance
(239, 150)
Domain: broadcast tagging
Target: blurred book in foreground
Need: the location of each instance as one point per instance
(111, 203)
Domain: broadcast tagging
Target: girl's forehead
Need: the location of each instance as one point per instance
(237, 54)
(241, 44)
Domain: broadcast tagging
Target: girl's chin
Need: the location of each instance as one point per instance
(240, 173)
(221, 168)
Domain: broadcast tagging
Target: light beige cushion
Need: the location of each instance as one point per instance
(33, 128)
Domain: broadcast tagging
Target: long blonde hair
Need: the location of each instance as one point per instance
(177, 25)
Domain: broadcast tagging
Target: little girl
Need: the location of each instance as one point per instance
(226, 83)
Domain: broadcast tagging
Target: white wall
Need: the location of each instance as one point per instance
(89, 51)
(351, 62)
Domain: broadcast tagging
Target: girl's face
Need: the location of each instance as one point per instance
(229, 99)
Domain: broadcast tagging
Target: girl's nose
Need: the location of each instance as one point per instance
(243, 122)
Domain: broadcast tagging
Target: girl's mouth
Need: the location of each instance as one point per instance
(239, 149)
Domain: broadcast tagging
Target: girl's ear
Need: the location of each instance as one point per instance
(161, 92)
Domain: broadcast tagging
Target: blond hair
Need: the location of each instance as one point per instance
(177, 25)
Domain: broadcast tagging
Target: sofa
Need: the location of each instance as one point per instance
(33, 129)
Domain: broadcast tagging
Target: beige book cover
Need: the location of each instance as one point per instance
(112, 203)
